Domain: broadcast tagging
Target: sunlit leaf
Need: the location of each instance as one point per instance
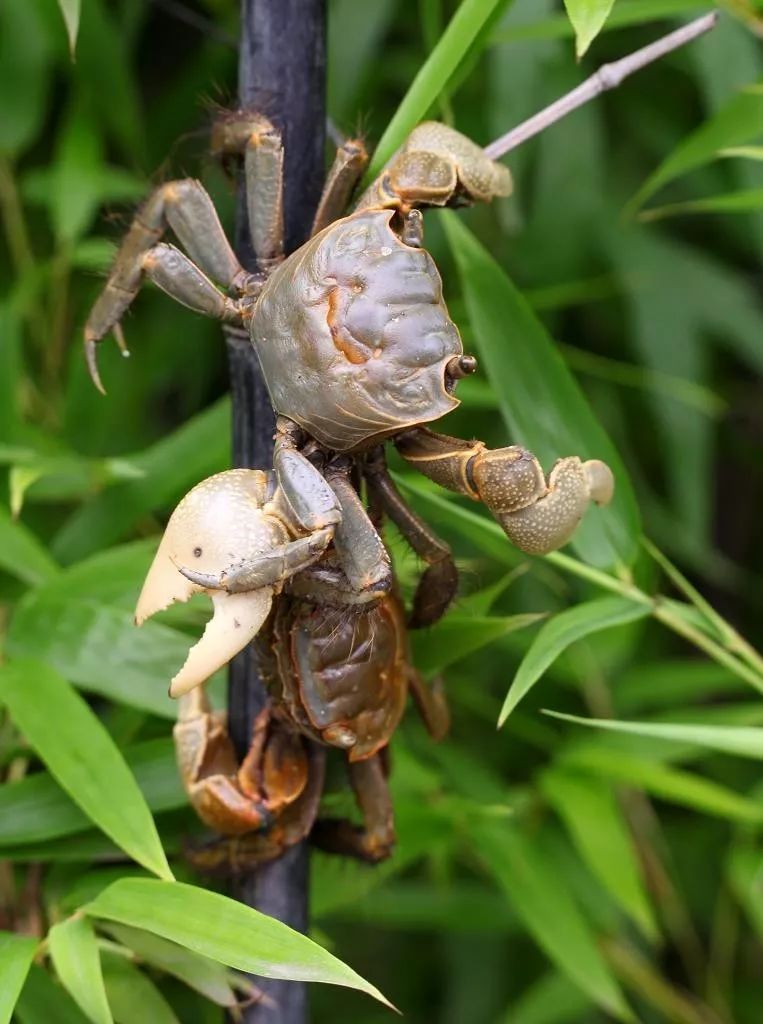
(562, 630)
(542, 405)
(745, 742)
(82, 757)
(587, 18)
(70, 11)
(224, 930)
(598, 829)
(74, 951)
(16, 955)
(543, 903)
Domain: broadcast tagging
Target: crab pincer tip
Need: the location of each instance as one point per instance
(92, 363)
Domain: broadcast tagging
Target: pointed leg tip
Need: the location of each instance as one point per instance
(91, 358)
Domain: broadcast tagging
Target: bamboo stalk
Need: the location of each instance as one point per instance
(281, 74)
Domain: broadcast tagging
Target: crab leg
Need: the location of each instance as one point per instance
(438, 584)
(348, 166)
(373, 841)
(538, 516)
(186, 207)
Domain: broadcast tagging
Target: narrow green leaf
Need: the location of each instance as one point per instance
(433, 76)
(100, 649)
(562, 630)
(21, 553)
(198, 972)
(738, 122)
(35, 809)
(550, 1000)
(743, 741)
(596, 825)
(457, 636)
(745, 874)
(543, 903)
(70, 11)
(743, 201)
(82, 757)
(224, 930)
(667, 783)
(587, 17)
(541, 402)
(16, 955)
(133, 998)
(74, 952)
(42, 1001)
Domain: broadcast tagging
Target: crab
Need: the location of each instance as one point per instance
(352, 334)
(338, 670)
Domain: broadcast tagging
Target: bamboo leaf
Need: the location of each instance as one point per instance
(670, 784)
(738, 122)
(543, 407)
(595, 822)
(739, 740)
(74, 952)
(556, 635)
(198, 972)
(457, 636)
(224, 930)
(433, 76)
(21, 553)
(744, 201)
(544, 905)
(587, 17)
(82, 757)
(16, 955)
(42, 1001)
(70, 12)
(134, 999)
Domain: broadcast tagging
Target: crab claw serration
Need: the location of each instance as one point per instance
(215, 524)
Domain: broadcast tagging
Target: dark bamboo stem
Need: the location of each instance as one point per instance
(281, 74)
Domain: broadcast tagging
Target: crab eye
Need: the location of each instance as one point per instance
(456, 368)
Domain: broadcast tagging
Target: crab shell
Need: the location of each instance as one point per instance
(344, 671)
(353, 335)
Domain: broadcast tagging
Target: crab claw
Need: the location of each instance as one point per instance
(221, 518)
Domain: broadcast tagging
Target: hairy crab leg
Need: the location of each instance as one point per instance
(345, 172)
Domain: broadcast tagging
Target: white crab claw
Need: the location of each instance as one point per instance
(217, 523)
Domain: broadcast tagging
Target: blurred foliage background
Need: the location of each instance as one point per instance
(546, 873)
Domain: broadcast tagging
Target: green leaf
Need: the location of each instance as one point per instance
(70, 11)
(667, 783)
(82, 757)
(25, 66)
(42, 1001)
(596, 825)
(16, 955)
(224, 930)
(587, 17)
(744, 874)
(556, 635)
(543, 903)
(457, 636)
(738, 122)
(743, 201)
(100, 649)
(432, 77)
(541, 403)
(74, 952)
(550, 1000)
(744, 742)
(134, 999)
(21, 553)
(198, 972)
(35, 809)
